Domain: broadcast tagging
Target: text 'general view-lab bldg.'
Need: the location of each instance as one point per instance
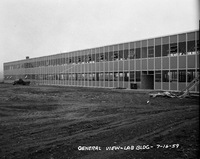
(163, 63)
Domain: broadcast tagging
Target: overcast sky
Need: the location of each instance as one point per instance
(44, 27)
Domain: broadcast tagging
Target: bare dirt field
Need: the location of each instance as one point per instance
(51, 122)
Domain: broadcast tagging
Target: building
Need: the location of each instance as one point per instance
(162, 63)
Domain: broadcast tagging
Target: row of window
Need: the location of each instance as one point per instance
(172, 49)
(164, 76)
(108, 76)
(174, 75)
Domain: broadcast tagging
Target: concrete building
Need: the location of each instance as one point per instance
(161, 63)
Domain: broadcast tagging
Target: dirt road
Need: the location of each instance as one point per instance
(52, 122)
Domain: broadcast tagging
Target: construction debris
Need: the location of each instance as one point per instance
(21, 82)
(184, 93)
(163, 94)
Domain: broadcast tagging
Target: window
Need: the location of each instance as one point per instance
(165, 76)
(70, 60)
(126, 76)
(93, 58)
(126, 54)
(110, 56)
(101, 57)
(150, 51)
(138, 76)
(157, 76)
(158, 51)
(190, 75)
(182, 76)
(191, 47)
(97, 58)
(116, 57)
(89, 59)
(106, 56)
(106, 76)
(182, 48)
(93, 76)
(97, 76)
(116, 76)
(173, 49)
(121, 55)
(58, 62)
(110, 76)
(90, 77)
(121, 76)
(78, 59)
(101, 76)
(137, 53)
(165, 50)
(144, 52)
(173, 76)
(132, 76)
(66, 61)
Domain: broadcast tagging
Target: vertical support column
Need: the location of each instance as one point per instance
(129, 59)
(104, 73)
(154, 55)
(196, 57)
(178, 61)
(161, 44)
(123, 63)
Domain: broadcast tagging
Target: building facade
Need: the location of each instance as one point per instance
(163, 63)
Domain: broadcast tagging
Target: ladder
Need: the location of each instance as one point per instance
(190, 86)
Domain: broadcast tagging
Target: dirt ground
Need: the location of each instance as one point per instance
(52, 122)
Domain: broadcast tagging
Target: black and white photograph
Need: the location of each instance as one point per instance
(99, 79)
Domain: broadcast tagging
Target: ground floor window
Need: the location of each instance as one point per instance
(182, 75)
(190, 75)
(157, 76)
(138, 76)
(173, 76)
(165, 75)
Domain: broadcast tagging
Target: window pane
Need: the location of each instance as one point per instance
(93, 58)
(182, 76)
(121, 76)
(173, 49)
(125, 54)
(110, 76)
(126, 76)
(121, 55)
(106, 76)
(157, 76)
(132, 76)
(191, 47)
(110, 56)
(132, 53)
(101, 57)
(190, 75)
(144, 52)
(173, 76)
(165, 50)
(165, 76)
(138, 76)
(182, 48)
(150, 51)
(116, 76)
(106, 56)
(158, 51)
(137, 53)
(116, 56)
(97, 58)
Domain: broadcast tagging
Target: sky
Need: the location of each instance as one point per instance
(37, 28)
